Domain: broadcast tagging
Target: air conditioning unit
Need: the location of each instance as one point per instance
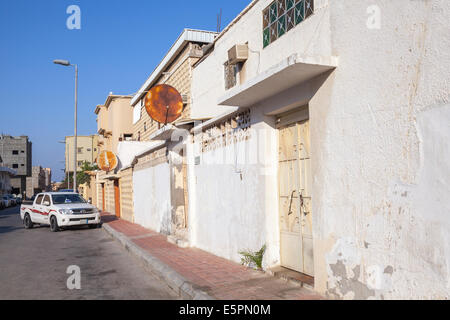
(239, 53)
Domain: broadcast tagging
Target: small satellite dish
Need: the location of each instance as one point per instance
(164, 103)
(107, 161)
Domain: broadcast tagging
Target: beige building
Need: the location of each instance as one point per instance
(87, 150)
(114, 122)
(88, 190)
(113, 190)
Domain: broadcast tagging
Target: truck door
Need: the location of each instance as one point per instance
(46, 208)
(36, 215)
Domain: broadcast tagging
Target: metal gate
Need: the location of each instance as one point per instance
(295, 197)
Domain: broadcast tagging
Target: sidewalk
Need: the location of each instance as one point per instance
(196, 274)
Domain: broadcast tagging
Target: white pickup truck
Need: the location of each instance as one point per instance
(59, 210)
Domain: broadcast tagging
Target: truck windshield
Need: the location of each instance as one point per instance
(67, 198)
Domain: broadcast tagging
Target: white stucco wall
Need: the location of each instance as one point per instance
(379, 137)
(152, 208)
(128, 150)
(230, 210)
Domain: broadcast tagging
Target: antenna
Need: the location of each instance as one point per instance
(219, 21)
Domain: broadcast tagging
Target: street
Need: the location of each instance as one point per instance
(34, 264)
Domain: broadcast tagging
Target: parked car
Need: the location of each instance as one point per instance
(59, 210)
(6, 201)
(2, 204)
(12, 200)
(18, 200)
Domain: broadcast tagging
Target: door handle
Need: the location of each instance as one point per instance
(290, 203)
(302, 204)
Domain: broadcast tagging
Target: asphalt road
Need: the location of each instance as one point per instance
(34, 263)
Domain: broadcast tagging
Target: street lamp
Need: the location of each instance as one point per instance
(66, 63)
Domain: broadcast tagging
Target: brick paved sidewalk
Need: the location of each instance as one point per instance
(218, 277)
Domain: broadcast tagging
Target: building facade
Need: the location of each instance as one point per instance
(316, 128)
(16, 154)
(113, 190)
(5, 180)
(159, 176)
(87, 151)
(332, 159)
(37, 182)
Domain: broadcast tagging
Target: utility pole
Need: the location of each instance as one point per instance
(75, 144)
(75, 148)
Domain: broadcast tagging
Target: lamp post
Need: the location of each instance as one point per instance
(66, 163)
(67, 64)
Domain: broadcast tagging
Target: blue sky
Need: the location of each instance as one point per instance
(118, 46)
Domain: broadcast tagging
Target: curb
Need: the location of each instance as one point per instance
(184, 288)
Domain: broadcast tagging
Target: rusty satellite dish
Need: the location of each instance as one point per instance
(164, 103)
(107, 161)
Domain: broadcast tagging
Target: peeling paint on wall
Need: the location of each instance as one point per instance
(348, 278)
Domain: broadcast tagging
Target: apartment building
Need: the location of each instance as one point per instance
(16, 154)
(113, 190)
(87, 151)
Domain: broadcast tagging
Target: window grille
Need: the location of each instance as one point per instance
(228, 132)
(281, 16)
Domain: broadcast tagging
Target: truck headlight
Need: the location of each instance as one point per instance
(65, 211)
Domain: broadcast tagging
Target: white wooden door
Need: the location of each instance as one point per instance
(295, 198)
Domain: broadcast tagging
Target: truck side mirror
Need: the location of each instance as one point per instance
(46, 203)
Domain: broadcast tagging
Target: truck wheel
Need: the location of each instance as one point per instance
(54, 224)
(27, 222)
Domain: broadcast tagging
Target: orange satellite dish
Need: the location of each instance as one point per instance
(164, 103)
(107, 161)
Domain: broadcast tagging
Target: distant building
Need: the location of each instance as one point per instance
(115, 127)
(55, 186)
(114, 122)
(16, 154)
(5, 180)
(37, 182)
(87, 151)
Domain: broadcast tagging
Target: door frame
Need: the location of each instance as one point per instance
(117, 198)
(103, 197)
